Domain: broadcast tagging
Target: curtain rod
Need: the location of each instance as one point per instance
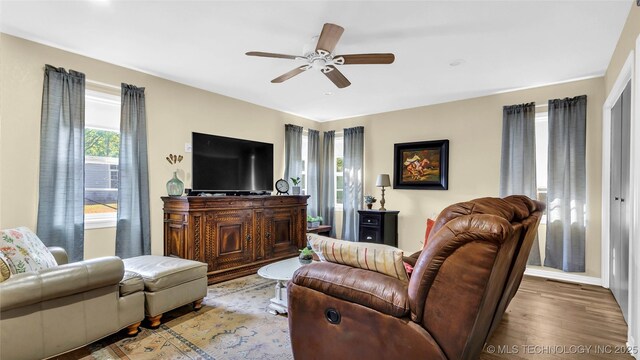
(93, 82)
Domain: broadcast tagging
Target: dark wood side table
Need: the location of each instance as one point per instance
(324, 230)
(378, 227)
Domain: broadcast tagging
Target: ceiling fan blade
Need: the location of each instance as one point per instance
(336, 76)
(271, 55)
(355, 59)
(329, 37)
(290, 74)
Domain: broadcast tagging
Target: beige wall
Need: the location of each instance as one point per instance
(474, 129)
(173, 112)
(626, 44)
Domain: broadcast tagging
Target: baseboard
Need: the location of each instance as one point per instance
(568, 277)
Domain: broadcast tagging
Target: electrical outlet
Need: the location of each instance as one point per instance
(187, 147)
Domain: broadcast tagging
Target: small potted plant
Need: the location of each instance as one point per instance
(306, 255)
(313, 221)
(295, 189)
(369, 200)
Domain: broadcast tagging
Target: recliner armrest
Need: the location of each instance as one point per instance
(64, 280)
(59, 254)
(367, 288)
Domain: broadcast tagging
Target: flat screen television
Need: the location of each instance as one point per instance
(227, 165)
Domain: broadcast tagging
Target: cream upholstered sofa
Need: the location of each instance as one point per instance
(54, 310)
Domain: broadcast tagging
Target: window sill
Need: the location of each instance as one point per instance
(100, 223)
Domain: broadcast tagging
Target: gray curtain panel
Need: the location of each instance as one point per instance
(518, 160)
(133, 235)
(567, 194)
(313, 169)
(328, 188)
(353, 173)
(61, 190)
(292, 151)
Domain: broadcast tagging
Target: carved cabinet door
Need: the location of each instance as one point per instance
(228, 238)
(280, 232)
(175, 233)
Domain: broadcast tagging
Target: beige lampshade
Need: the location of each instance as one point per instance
(383, 180)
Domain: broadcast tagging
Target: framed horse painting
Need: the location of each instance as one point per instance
(421, 165)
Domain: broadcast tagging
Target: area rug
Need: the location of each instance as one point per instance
(232, 324)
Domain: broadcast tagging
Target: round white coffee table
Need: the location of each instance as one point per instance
(281, 272)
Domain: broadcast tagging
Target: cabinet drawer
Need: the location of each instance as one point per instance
(285, 200)
(229, 204)
(370, 234)
(369, 220)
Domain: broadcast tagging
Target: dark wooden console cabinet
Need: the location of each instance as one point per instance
(234, 235)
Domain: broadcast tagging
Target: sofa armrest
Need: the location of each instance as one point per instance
(31, 288)
(59, 254)
(367, 288)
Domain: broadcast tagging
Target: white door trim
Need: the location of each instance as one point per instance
(626, 74)
(634, 224)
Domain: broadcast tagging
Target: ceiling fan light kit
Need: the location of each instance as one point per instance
(322, 58)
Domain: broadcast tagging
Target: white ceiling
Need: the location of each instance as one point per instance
(504, 44)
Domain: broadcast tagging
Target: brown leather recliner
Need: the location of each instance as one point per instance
(461, 284)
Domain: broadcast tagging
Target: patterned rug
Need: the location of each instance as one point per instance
(232, 324)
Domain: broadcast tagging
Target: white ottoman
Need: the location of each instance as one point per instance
(169, 283)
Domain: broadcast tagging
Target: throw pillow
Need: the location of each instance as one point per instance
(5, 273)
(375, 257)
(24, 252)
(430, 223)
(408, 267)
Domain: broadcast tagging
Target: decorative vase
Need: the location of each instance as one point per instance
(369, 206)
(295, 190)
(175, 186)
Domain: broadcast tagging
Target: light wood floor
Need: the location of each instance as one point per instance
(549, 319)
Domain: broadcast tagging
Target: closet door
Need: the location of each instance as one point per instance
(614, 205)
(619, 222)
(625, 209)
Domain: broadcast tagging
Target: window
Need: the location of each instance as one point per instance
(305, 157)
(542, 146)
(339, 157)
(102, 147)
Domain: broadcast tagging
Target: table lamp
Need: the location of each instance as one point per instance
(382, 181)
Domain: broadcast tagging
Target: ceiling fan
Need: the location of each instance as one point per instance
(323, 59)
